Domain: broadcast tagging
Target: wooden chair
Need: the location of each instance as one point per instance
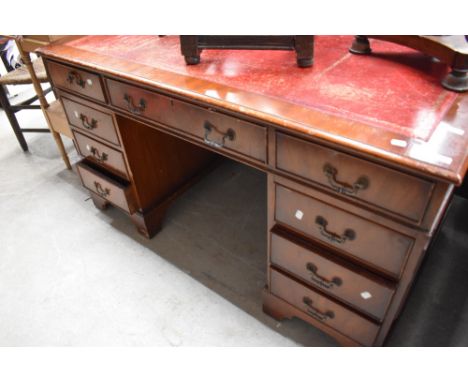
(34, 73)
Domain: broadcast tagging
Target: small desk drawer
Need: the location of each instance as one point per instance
(101, 154)
(107, 187)
(355, 177)
(373, 243)
(91, 120)
(76, 80)
(323, 309)
(215, 129)
(362, 292)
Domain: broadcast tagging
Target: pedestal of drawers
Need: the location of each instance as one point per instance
(341, 267)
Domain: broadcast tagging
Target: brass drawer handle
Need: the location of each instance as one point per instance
(321, 281)
(316, 313)
(74, 76)
(330, 172)
(230, 134)
(139, 109)
(86, 124)
(102, 192)
(322, 223)
(95, 152)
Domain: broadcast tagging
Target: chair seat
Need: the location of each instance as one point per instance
(20, 76)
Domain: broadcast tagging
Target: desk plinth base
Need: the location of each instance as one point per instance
(281, 310)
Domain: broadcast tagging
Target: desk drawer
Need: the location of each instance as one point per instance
(372, 243)
(107, 187)
(101, 154)
(76, 80)
(362, 292)
(323, 309)
(391, 190)
(91, 120)
(215, 129)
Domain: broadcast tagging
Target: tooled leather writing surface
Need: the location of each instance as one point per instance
(390, 104)
(404, 100)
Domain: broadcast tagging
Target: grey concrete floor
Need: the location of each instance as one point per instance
(73, 275)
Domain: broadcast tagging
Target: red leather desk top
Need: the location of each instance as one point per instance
(392, 89)
(362, 102)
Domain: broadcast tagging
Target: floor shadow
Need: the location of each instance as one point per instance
(216, 232)
(436, 312)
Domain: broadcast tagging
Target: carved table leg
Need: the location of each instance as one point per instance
(360, 45)
(456, 80)
(190, 50)
(99, 203)
(304, 46)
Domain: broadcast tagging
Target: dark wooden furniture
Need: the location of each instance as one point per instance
(21, 76)
(359, 173)
(33, 72)
(192, 46)
(452, 50)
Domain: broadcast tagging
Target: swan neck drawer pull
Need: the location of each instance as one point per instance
(139, 109)
(74, 76)
(95, 152)
(322, 224)
(102, 192)
(230, 135)
(312, 311)
(331, 172)
(321, 281)
(86, 124)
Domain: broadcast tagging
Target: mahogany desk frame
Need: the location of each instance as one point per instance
(122, 96)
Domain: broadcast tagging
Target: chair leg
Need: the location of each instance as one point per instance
(59, 142)
(12, 118)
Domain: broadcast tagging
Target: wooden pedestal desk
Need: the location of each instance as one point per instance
(362, 155)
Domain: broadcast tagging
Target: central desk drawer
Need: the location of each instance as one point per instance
(217, 130)
(76, 80)
(353, 287)
(372, 243)
(323, 309)
(101, 154)
(91, 120)
(107, 187)
(396, 192)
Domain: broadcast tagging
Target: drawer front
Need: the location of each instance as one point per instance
(101, 154)
(215, 129)
(76, 80)
(114, 192)
(323, 309)
(354, 288)
(355, 177)
(374, 244)
(90, 120)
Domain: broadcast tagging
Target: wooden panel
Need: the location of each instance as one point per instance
(160, 164)
(354, 287)
(374, 244)
(245, 138)
(76, 80)
(355, 177)
(323, 309)
(91, 120)
(57, 118)
(106, 187)
(101, 154)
